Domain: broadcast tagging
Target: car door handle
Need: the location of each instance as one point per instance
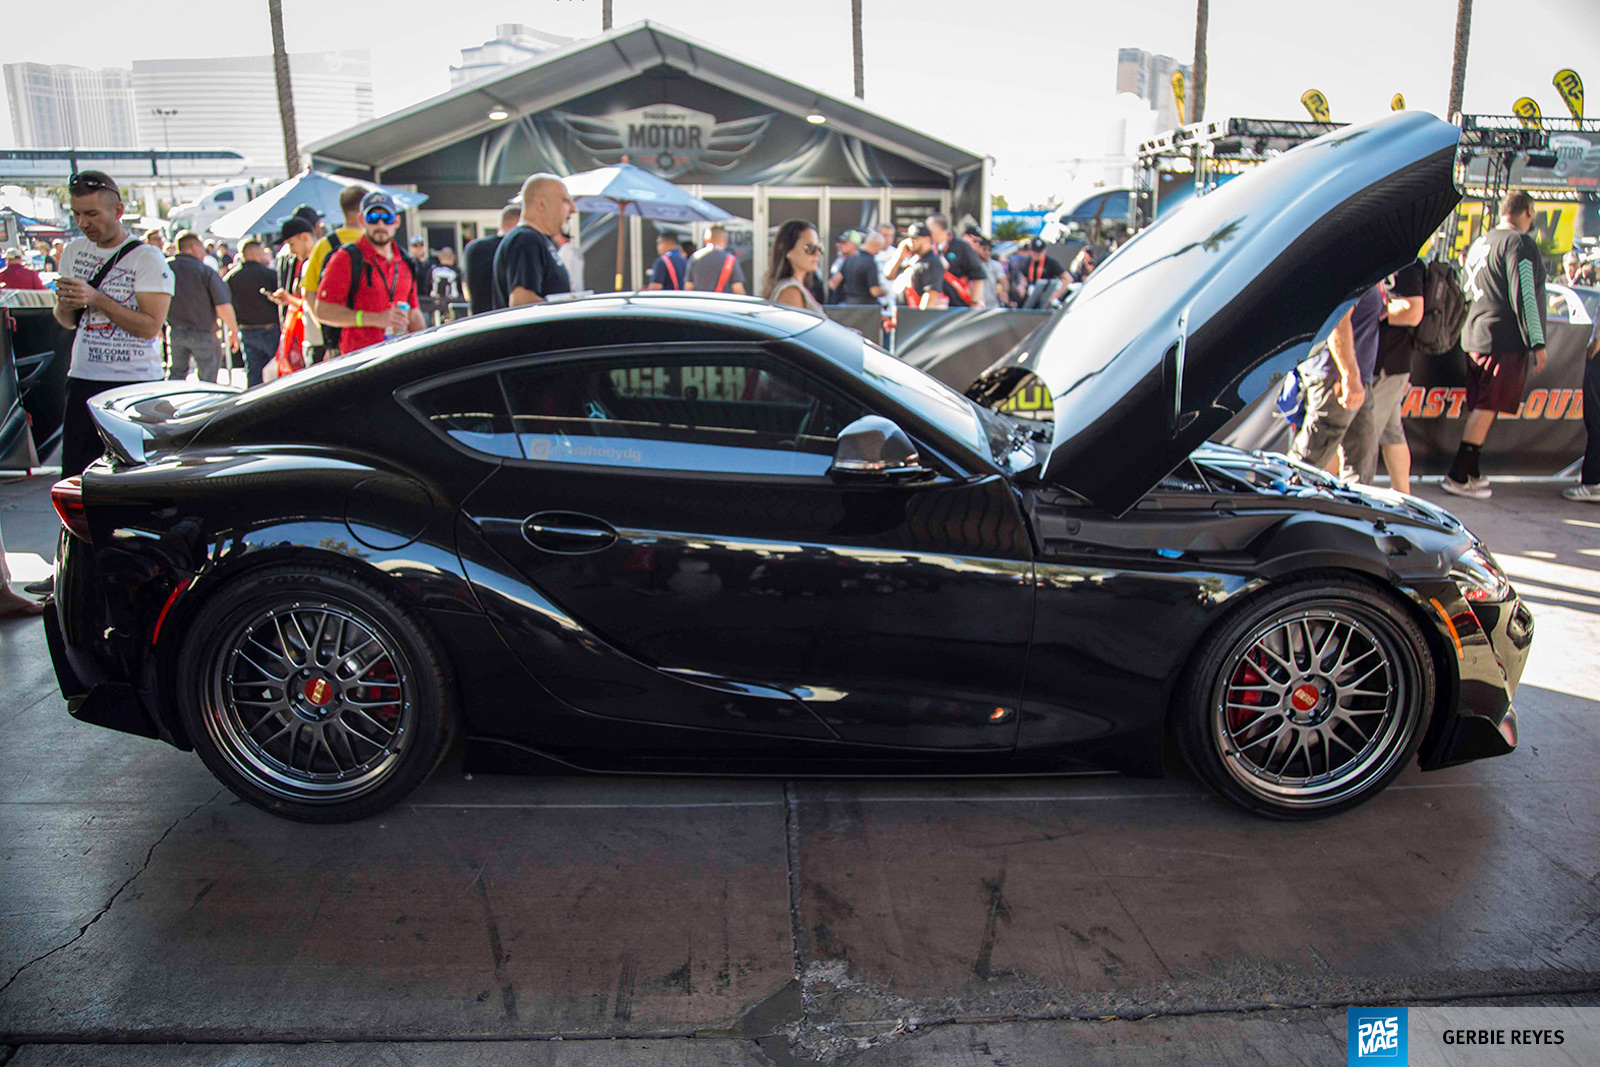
(566, 531)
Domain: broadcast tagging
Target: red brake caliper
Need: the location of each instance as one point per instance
(388, 714)
(1245, 675)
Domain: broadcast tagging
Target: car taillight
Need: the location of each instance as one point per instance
(67, 496)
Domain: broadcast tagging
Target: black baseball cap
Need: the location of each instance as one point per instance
(918, 229)
(1036, 244)
(89, 181)
(379, 198)
(309, 213)
(296, 224)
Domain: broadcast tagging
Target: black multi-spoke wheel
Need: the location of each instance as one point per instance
(313, 694)
(1308, 701)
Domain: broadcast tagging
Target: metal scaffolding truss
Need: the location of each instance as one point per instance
(1502, 141)
(1208, 149)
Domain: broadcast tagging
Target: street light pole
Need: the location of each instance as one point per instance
(165, 113)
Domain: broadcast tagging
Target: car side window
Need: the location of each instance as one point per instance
(472, 412)
(733, 413)
(1556, 307)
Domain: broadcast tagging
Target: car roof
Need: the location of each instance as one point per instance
(589, 322)
(743, 313)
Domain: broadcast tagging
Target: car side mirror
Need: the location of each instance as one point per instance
(874, 448)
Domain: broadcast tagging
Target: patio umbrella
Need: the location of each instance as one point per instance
(268, 212)
(626, 190)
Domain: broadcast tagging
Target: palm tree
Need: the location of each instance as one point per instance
(1197, 93)
(855, 33)
(280, 68)
(1458, 69)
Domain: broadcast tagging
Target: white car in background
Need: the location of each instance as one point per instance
(199, 213)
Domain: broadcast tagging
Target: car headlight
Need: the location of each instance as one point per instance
(1480, 577)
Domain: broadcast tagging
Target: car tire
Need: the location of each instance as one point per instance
(1308, 700)
(313, 693)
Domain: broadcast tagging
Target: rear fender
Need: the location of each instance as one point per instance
(425, 577)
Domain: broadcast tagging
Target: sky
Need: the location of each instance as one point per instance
(1029, 82)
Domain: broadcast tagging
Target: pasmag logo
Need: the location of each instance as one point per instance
(1378, 1036)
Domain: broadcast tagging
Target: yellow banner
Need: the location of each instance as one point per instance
(1177, 94)
(1397, 102)
(1527, 109)
(1316, 104)
(1570, 86)
(1554, 223)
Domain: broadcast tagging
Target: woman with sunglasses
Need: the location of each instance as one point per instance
(796, 254)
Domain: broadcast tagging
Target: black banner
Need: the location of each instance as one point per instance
(1544, 436)
(865, 319)
(956, 345)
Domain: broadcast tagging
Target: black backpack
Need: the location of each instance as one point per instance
(358, 263)
(1444, 310)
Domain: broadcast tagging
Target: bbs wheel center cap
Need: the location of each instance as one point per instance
(1308, 704)
(316, 693)
(319, 692)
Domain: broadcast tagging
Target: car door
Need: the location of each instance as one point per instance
(670, 508)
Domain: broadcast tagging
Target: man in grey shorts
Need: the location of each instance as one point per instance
(1377, 426)
(200, 297)
(1336, 383)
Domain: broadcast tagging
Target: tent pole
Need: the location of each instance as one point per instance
(622, 238)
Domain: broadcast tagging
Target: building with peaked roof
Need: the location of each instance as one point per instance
(757, 144)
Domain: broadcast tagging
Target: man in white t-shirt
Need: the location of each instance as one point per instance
(117, 313)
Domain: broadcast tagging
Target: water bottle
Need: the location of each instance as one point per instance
(388, 331)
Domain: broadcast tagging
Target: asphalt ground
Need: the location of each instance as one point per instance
(148, 917)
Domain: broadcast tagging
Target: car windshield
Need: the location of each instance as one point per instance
(928, 397)
(1004, 438)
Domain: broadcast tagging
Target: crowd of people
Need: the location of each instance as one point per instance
(926, 266)
(1356, 383)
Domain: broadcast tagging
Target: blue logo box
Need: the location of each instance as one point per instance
(1378, 1036)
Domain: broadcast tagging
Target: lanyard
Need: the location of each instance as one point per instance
(394, 275)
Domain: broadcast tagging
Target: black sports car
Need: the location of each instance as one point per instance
(683, 532)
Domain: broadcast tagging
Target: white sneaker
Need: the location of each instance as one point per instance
(1588, 494)
(1466, 488)
(1478, 481)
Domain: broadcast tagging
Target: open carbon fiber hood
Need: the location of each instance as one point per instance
(1186, 324)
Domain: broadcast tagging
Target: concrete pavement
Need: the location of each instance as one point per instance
(655, 921)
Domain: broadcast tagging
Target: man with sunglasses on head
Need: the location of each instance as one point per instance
(367, 288)
(113, 292)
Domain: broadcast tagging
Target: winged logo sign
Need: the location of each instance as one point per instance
(666, 139)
